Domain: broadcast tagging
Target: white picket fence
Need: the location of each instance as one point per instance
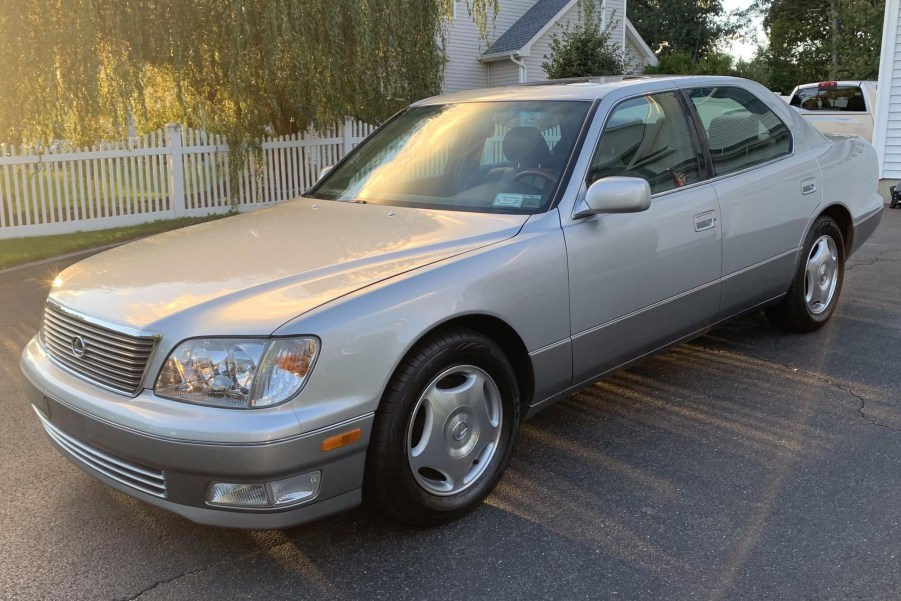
(175, 172)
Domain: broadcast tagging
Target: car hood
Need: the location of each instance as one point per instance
(249, 274)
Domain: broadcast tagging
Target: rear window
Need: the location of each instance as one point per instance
(741, 130)
(834, 98)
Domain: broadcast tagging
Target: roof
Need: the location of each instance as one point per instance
(642, 46)
(528, 26)
(537, 20)
(592, 89)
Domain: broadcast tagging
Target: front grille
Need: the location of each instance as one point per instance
(111, 358)
(145, 479)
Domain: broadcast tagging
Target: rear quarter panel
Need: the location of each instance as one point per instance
(849, 169)
(850, 177)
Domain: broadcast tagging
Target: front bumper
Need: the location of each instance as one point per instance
(176, 474)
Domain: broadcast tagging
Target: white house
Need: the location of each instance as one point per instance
(887, 128)
(520, 40)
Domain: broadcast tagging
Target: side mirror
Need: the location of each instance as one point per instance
(615, 195)
(324, 171)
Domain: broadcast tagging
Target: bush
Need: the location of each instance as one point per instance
(716, 63)
(584, 50)
(681, 63)
(673, 63)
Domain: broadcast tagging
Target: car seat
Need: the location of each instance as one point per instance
(526, 148)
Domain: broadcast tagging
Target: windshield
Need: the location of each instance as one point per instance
(499, 157)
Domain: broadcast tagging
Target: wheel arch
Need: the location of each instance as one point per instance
(392, 487)
(504, 335)
(842, 217)
(796, 310)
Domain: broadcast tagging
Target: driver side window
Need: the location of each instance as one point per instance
(648, 137)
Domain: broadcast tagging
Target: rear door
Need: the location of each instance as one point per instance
(767, 193)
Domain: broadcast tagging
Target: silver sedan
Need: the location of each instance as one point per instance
(479, 257)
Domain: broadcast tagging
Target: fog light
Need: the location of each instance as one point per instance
(295, 490)
(273, 494)
(239, 495)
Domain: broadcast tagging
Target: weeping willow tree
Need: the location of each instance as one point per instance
(82, 70)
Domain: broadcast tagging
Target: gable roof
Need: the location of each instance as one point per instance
(528, 26)
(537, 21)
(642, 46)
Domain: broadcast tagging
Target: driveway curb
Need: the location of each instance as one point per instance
(70, 255)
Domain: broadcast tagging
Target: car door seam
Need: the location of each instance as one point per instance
(761, 263)
(622, 318)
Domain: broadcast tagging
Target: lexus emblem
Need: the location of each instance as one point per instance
(78, 346)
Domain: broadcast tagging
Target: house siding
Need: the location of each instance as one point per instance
(464, 47)
(503, 73)
(542, 46)
(887, 131)
(615, 12)
(462, 69)
(635, 62)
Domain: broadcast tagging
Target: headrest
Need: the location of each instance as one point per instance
(730, 130)
(526, 147)
(856, 103)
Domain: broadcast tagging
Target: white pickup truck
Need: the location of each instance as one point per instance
(838, 107)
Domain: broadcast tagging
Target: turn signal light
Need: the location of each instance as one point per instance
(341, 440)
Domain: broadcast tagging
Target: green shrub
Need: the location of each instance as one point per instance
(584, 49)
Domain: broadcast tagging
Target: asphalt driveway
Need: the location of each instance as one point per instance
(749, 464)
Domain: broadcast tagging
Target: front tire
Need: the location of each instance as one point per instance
(444, 431)
(817, 285)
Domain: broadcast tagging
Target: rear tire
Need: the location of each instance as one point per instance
(444, 431)
(817, 285)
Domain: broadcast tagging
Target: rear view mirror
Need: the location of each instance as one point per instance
(615, 195)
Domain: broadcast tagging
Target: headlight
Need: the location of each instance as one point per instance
(237, 372)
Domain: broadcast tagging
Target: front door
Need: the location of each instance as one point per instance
(641, 280)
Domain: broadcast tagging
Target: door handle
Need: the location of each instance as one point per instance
(705, 221)
(808, 186)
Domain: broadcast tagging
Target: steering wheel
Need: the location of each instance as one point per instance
(545, 174)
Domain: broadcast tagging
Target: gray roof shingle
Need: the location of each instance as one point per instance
(527, 26)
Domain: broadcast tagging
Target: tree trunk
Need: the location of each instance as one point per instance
(836, 35)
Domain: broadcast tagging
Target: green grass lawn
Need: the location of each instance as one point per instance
(24, 250)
